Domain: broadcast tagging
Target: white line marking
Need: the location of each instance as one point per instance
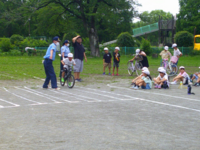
(9, 103)
(1, 106)
(37, 94)
(48, 95)
(21, 96)
(82, 96)
(98, 94)
(155, 93)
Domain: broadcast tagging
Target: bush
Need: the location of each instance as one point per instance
(146, 46)
(16, 39)
(126, 39)
(184, 38)
(5, 45)
(15, 53)
(33, 43)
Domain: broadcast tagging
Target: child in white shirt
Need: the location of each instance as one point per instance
(181, 76)
(162, 79)
(69, 61)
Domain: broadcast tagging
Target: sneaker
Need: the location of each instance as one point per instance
(117, 74)
(133, 87)
(62, 80)
(173, 83)
(156, 86)
(104, 73)
(77, 80)
(136, 88)
(159, 86)
(109, 74)
(80, 80)
(113, 74)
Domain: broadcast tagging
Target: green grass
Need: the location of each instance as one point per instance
(14, 67)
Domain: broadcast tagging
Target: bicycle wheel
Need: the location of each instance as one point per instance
(139, 68)
(130, 68)
(70, 81)
(172, 70)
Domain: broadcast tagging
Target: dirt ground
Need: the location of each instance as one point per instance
(99, 113)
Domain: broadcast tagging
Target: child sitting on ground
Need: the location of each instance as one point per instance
(139, 77)
(107, 60)
(145, 82)
(162, 79)
(182, 76)
(196, 76)
(66, 63)
(116, 57)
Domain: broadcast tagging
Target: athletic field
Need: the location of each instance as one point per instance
(97, 116)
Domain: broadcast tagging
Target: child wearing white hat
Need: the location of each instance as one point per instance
(165, 54)
(69, 61)
(141, 53)
(116, 59)
(138, 77)
(107, 60)
(177, 52)
(145, 82)
(182, 76)
(162, 79)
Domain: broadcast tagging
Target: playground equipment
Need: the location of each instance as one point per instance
(197, 42)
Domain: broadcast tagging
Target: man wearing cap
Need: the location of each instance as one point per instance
(48, 64)
(79, 54)
(64, 53)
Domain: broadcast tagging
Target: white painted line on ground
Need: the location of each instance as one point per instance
(98, 94)
(37, 94)
(9, 103)
(21, 97)
(131, 98)
(178, 97)
(76, 95)
(1, 106)
(48, 95)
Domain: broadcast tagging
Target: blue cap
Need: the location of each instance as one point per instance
(66, 41)
(56, 38)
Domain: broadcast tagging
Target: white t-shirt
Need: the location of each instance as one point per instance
(185, 75)
(164, 77)
(177, 52)
(68, 63)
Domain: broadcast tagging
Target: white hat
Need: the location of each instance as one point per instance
(137, 51)
(174, 45)
(162, 70)
(117, 48)
(70, 55)
(105, 49)
(145, 68)
(146, 72)
(166, 48)
(182, 67)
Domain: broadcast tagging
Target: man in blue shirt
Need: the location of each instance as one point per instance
(48, 64)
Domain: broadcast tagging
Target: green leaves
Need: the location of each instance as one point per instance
(184, 38)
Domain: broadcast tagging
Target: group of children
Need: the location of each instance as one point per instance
(145, 80)
(107, 60)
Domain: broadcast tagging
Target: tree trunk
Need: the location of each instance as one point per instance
(94, 43)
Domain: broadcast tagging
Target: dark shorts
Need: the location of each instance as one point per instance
(115, 64)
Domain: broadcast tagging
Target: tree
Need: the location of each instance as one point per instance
(184, 38)
(91, 13)
(146, 46)
(189, 16)
(125, 39)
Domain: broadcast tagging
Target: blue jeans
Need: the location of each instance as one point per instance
(146, 87)
(50, 74)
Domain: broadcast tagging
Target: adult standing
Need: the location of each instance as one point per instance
(144, 61)
(48, 64)
(64, 53)
(79, 54)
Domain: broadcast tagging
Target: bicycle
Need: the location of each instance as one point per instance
(135, 66)
(170, 66)
(68, 77)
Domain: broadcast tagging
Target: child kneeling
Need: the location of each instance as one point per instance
(162, 80)
(145, 82)
(182, 76)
